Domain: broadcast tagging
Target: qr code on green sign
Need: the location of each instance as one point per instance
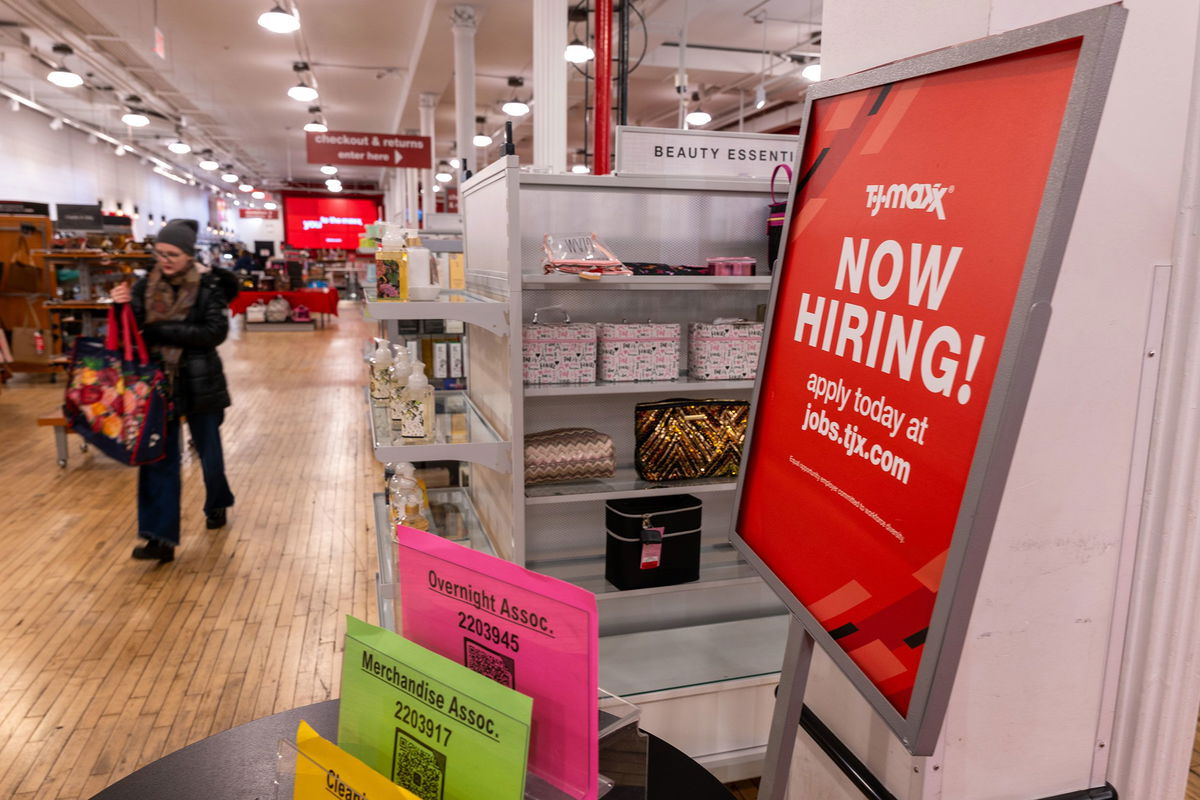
(418, 767)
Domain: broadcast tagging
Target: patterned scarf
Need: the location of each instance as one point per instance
(171, 297)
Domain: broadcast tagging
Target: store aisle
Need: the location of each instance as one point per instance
(107, 663)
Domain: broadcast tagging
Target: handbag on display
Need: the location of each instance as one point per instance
(279, 309)
(776, 217)
(256, 312)
(652, 541)
(681, 438)
(580, 254)
(115, 398)
(20, 274)
(301, 314)
(568, 454)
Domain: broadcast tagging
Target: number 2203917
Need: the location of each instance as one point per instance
(488, 631)
(422, 724)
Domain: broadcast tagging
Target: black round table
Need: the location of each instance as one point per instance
(239, 764)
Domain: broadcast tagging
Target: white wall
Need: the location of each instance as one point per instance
(1031, 711)
(45, 166)
(250, 231)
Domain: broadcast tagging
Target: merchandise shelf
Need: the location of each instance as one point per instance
(697, 655)
(625, 483)
(684, 383)
(469, 307)
(469, 532)
(460, 433)
(721, 283)
(719, 565)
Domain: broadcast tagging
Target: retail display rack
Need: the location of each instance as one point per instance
(681, 648)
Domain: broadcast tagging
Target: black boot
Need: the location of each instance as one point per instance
(155, 550)
(215, 519)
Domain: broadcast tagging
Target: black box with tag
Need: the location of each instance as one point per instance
(652, 541)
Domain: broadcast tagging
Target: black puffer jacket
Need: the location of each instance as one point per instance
(200, 387)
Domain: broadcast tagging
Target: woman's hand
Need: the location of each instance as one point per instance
(121, 293)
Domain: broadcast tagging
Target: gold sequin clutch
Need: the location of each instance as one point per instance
(681, 438)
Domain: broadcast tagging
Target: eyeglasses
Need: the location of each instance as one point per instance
(169, 257)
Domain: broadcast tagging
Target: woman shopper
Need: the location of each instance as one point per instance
(182, 316)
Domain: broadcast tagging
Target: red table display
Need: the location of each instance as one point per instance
(318, 301)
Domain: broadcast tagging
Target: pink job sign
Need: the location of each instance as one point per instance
(527, 631)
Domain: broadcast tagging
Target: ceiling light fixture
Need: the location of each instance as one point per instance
(581, 169)
(207, 162)
(578, 53)
(302, 92)
(135, 119)
(269, 206)
(760, 97)
(63, 76)
(443, 173)
(812, 72)
(279, 21)
(258, 195)
(230, 176)
(697, 116)
(56, 124)
(316, 126)
(179, 147)
(329, 169)
(245, 187)
(515, 107)
(120, 150)
(455, 163)
(481, 139)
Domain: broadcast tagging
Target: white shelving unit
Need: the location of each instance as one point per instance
(558, 529)
(460, 433)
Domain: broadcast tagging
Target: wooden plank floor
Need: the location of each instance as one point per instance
(107, 663)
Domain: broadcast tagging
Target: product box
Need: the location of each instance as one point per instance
(456, 360)
(441, 360)
(726, 351)
(652, 541)
(638, 351)
(563, 353)
(742, 266)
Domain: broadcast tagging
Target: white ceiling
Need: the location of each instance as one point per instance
(227, 77)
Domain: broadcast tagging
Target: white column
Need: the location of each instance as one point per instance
(427, 106)
(410, 191)
(463, 24)
(550, 84)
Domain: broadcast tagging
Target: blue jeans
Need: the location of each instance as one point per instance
(160, 485)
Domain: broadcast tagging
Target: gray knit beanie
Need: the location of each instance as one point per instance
(181, 233)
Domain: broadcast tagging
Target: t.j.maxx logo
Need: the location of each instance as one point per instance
(912, 196)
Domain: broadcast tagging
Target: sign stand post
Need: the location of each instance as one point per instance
(789, 702)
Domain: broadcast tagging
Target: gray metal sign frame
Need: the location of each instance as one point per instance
(1100, 30)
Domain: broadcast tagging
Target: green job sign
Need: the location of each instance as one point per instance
(433, 726)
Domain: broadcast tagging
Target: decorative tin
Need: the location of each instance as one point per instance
(638, 352)
(723, 351)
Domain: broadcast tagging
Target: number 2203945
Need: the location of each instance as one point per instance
(422, 724)
(479, 627)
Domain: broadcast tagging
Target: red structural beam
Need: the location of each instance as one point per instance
(602, 115)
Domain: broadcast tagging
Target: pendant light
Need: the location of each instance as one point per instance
(443, 174)
(329, 169)
(258, 194)
(760, 97)
(317, 123)
(581, 169)
(245, 187)
(230, 176)
(455, 163)
(302, 92)
(63, 76)
(207, 162)
(178, 146)
(578, 53)
(277, 20)
(481, 139)
(270, 206)
(515, 107)
(812, 72)
(697, 116)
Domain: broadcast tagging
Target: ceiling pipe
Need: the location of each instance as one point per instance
(602, 116)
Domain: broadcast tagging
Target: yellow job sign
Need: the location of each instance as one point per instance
(324, 769)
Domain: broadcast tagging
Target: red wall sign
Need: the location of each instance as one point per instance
(369, 149)
(258, 213)
(909, 234)
(327, 222)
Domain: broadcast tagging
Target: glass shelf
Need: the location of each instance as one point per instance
(625, 483)
(719, 564)
(684, 384)
(469, 307)
(454, 519)
(460, 434)
(698, 655)
(650, 282)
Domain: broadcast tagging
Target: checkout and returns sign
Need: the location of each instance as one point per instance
(354, 149)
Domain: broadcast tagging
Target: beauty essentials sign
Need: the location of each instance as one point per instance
(932, 206)
(524, 630)
(701, 154)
